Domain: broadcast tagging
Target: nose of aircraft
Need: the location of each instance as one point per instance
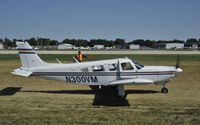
(179, 70)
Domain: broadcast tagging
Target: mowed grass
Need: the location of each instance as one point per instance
(40, 101)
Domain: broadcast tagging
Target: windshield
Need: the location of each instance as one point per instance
(137, 64)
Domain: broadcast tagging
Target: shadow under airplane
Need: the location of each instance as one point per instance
(106, 96)
(9, 91)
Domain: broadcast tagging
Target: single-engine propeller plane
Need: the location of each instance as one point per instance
(112, 72)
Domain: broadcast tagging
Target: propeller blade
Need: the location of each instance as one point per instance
(178, 61)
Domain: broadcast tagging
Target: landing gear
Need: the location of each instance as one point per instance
(123, 97)
(121, 92)
(164, 90)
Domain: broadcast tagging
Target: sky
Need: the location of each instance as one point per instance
(104, 19)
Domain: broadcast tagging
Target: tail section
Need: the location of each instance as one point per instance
(28, 56)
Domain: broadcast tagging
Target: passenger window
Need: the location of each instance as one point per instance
(98, 68)
(84, 70)
(112, 67)
(126, 66)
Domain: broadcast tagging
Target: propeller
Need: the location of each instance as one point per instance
(178, 61)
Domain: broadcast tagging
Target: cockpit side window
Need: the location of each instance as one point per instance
(112, 67)
(126, 66)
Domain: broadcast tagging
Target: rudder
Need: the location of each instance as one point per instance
(28, 56)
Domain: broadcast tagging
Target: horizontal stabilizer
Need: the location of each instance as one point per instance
(22, 72)
(131, 81)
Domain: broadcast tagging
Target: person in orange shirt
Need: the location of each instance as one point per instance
(79, 56)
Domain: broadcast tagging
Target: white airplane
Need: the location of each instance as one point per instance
(112, 72)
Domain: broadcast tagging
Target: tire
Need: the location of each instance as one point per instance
(164, 90)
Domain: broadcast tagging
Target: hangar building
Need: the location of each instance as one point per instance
(174, 46)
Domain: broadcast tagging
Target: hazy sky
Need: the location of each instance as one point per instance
(106, 19)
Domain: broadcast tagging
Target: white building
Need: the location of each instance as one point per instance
(194, 46)
(174, 46)
(44, 47)
(98, 46)
(1, 46)
(65, 46)
(133, 46)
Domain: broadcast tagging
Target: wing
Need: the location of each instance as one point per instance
(22, 72)
(131, 81)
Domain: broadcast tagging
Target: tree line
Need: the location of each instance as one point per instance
(8, 43)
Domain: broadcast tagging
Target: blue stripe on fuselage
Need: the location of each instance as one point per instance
(24, 49)
(26, 52)
(101, 73)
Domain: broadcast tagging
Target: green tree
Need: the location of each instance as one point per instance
(7, 43)
(32, 41)
(192, 41)
(140, 42)
(119, 41)
(150, 43)
(178, 41)
(1, 40)
(53, 42)
(69, 41)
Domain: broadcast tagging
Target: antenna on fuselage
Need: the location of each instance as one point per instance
(59, 61)
(76, 61)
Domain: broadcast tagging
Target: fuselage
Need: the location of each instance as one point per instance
(112, 72)
(104, 71)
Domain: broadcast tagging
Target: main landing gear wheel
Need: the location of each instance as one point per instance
(123, 97)
(164, 90)
(121, 92)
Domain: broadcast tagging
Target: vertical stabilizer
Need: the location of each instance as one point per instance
(28, 56)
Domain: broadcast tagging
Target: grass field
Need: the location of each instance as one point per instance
(38, 101)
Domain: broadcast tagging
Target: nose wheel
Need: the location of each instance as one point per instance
(164, 90)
